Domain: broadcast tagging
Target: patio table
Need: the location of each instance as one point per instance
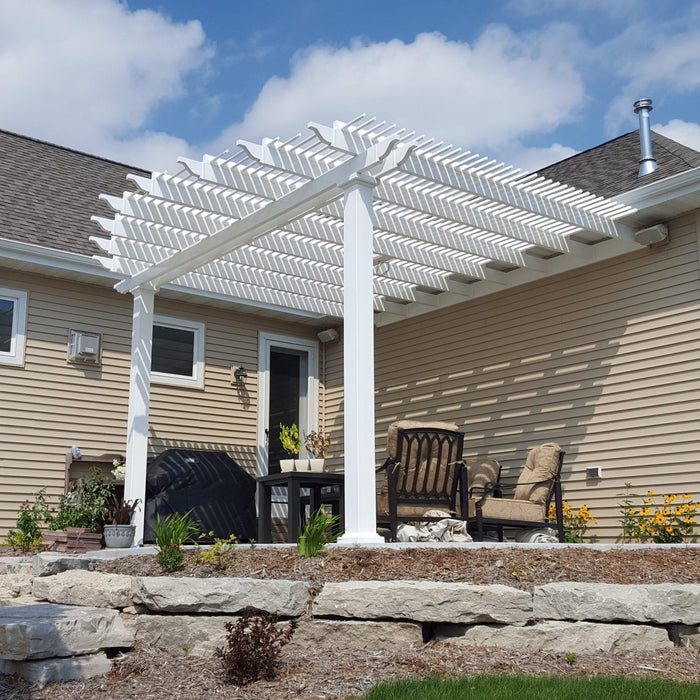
(294, 482)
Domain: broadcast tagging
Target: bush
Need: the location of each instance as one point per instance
(317, 533)
(85, 505)
(27, 536)
(253, 644)
(576, 522)
(170, 533)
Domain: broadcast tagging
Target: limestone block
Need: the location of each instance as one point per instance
(424, 601)
(14, 586)
(89, 588)
(49, 563)
(559, 636)
(198, 635)
(15, 565)
(220, 595)
(44, 631)
(354, 634)
(43, 671)
(660, 603)
(685, 635)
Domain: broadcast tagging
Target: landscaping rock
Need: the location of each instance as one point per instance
(44, 631)
(198, 635)
(43, 671)
(661, 603)
(89, 588)
(685, 635)
(15, 565)
(220, 595)
(48, 563)
(558, 636)
(14, 586)
(346, 634)
(424, 601)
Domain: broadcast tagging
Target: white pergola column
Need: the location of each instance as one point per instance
(358, 339)
(139, 402)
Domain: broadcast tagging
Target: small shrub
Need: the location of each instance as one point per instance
(253, 644)
(317, 444)
(220, 553)
(317, 533)
(170, 558)
(85, 504)
(27, 536)
(669, 521)
(170, 533)
(576, 522)
(289, 437)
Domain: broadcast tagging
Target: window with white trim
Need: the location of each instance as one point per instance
(178, 352)
(13, 326)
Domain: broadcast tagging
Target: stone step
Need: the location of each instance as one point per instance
(86, 588)
(44, 631)
(43, 671)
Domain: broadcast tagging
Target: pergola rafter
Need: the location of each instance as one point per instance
(357, 221)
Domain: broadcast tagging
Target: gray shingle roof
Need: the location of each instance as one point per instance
(48, 193)
(612, 168)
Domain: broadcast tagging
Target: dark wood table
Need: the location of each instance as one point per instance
(294, 482)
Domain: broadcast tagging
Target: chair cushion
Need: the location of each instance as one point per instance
(509, 509)
(393, 432)
(541, 466)
(482, 472)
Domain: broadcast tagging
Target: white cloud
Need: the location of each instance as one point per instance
(686, 133)
(614, 8)
(535, 158)
(89, 73)
(483, 96)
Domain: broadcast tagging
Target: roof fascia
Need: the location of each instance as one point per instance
(662, 191)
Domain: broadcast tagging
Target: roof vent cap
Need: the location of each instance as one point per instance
(647, 163)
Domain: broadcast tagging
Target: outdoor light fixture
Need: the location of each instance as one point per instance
(240, 375)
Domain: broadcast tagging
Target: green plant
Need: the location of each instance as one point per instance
(85, 505)
(570, 658)
(671, 520)
(170, 533)
(253, 644)
(320, 529)
(289, 437)
(317, 444)
(576, 522)
(27, 536)
(170, 558)
(220, 553)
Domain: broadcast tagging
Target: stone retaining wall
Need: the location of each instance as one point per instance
(188, 615)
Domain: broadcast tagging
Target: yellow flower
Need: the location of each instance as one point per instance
(678, 510)
(688, 519)
(645, 511)
(650, 493)
(669, 529)
(666, 511)
(687, 496)
(631, 511)
(672, 497)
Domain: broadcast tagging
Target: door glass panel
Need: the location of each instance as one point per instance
(285, 386)
(6, 310)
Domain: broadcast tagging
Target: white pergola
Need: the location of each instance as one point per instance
(360, 221)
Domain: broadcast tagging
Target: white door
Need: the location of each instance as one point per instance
(288, 385)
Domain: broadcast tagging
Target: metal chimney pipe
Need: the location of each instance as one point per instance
(647, 163)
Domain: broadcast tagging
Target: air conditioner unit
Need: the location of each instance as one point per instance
(84, 348)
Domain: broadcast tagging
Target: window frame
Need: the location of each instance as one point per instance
(196, 379)
(18, 340)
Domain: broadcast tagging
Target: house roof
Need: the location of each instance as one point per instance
(48, 193)
(612, 168)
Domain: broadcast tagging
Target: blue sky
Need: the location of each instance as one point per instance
(524, 81)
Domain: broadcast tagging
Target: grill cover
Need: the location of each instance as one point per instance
(220, 493)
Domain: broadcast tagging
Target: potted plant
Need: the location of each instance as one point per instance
(317, 444)
(118, 530)
(291, 444)
(81, 513)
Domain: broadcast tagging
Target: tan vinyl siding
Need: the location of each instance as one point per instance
(604, 360)
(48, 405)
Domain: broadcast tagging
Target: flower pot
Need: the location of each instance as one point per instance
(287, 465)
(301, 465)
(317, 465)
(119, 536)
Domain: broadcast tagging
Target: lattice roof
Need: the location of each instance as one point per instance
(265, 224)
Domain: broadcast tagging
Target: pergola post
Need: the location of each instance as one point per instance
(139, 402)
(358, 339)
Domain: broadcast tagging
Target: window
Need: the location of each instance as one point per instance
(13, 326)
(178, 352)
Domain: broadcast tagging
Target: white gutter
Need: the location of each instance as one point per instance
(660, 192)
